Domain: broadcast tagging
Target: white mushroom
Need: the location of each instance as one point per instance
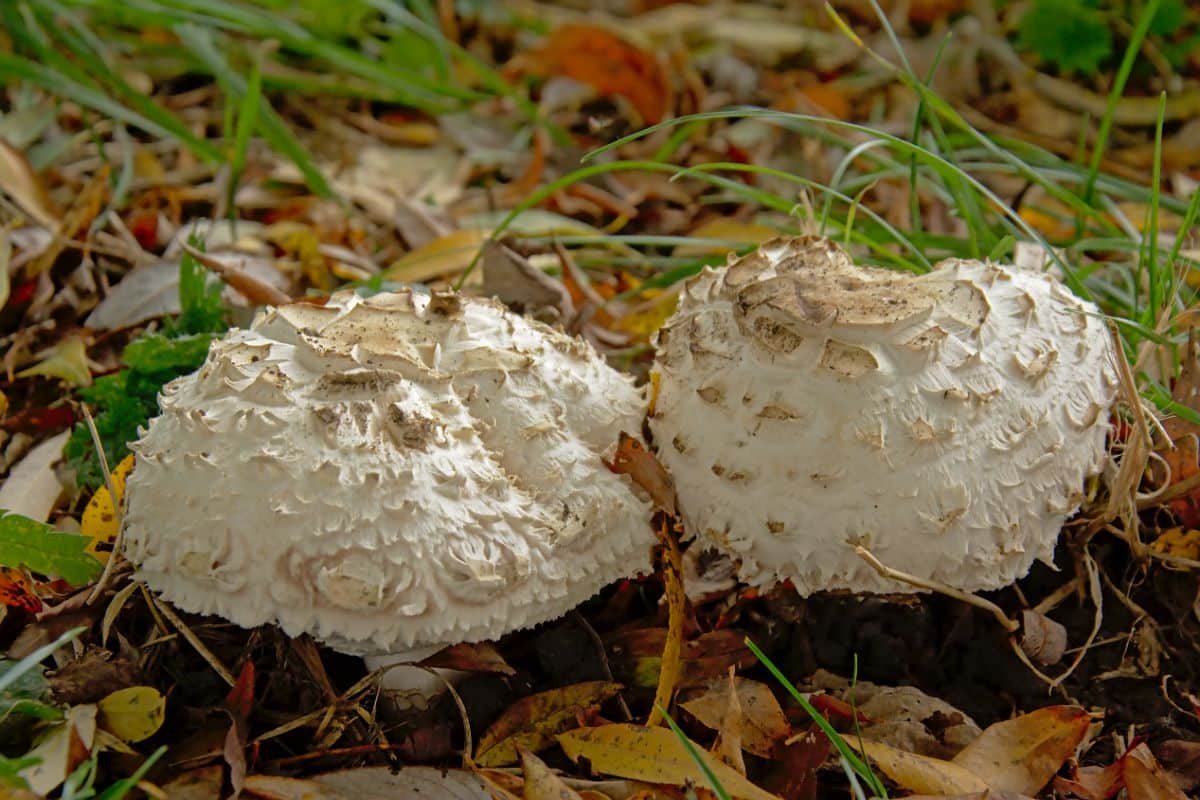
(946, 421)
(390, 475)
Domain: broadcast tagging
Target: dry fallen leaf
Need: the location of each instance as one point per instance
(1023, 754)
(132, 714)
(19, 181)
(1145, 779)
(669, 671)
(100, 520)
(921, 774)
(64, 748)
(371, 783)
(541, 783)
(633, 459)
(31, 488)
(470, 657)
(762, 724)
(1042, 639)
(532, 722)
(652, 754)
(606, 62)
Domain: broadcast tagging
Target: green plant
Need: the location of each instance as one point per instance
(125, 400)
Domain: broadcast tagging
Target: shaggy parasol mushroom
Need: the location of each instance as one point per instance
(945, 421)
(390, 475)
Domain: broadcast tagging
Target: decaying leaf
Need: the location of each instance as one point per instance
(19, 181)
(61, 750)
(532, 722)
(100, 520)
(31, 488)
(1022, 754)
(1145, 779)
(473, 657)
(541, 783)
(762, 723)
(669, 671)
(633, 459)
(132, 714)
(652, 754)
(636, 655)
(16, 590)
(606, 62)
(371, 783)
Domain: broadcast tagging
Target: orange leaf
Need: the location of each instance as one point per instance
(633, 459)
(1022, 754)
(17, 591)
(607, 63)
(1145, 779)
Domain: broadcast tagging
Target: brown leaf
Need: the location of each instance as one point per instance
(96, 674)
(798, 764)
(669, 669)
(532, 722)
(651, 754)
(256, 291)
(477, 657)
(633, 459)
(540, 782)
(762, 725)
(1145, 779)
(606, 62)
(728, 746)
(1183, 759)
(636, 655)
(1023, 754)
(19, 181)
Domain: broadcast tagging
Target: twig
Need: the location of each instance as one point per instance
(1010, 625)
(115, 555)
(603, 653)
(195, 642)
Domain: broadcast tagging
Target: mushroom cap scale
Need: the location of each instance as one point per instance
(388, 473)
(945, 421)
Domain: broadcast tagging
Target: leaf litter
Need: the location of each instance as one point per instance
(128, 248)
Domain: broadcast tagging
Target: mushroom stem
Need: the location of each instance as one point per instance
(412, 685)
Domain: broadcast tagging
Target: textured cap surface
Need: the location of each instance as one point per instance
(389, 473)
(946, 421)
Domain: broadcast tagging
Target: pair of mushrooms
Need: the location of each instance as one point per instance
(402, 472)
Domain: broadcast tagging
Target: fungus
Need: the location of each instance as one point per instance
(946, 422)
(391, 475)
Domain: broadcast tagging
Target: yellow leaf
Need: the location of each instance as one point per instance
(921, 774)
(19, 181)
(653, 754)
(540, 781)
(533, 721)
(1178, 542)
(67, 361)
(762, 722)
(100, 520)
(724, 230)
(645, 319)
(1022, 754)
(133, 714)
(672, 656)
(448, 255)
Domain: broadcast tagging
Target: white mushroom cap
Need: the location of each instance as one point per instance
(389, 473)
(947, 421)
